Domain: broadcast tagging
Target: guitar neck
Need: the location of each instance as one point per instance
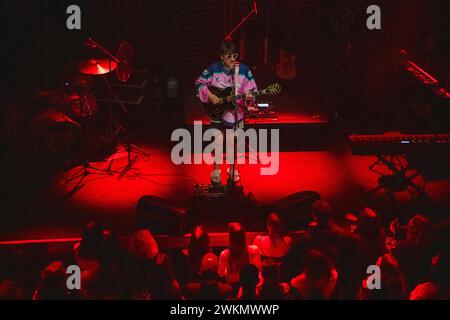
(254, 93)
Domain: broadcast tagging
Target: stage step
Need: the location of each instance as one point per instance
(297, 132)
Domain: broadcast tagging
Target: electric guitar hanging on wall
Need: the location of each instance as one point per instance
(217, 111)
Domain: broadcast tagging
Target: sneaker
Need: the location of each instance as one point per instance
(237, 177)
(215, 176)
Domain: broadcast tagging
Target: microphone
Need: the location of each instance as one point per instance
(255, 7)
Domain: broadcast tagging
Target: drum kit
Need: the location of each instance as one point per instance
(68, 129)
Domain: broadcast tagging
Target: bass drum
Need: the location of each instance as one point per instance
(55, 136)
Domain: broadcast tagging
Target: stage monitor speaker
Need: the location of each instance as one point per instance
(159, 215)
(295, 209)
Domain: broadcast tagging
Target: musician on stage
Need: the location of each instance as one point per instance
(221, 74)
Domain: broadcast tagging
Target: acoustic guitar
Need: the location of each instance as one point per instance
(286, 69)
(286, 66)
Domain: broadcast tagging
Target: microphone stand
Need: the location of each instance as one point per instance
(231, 182)
(239, 25)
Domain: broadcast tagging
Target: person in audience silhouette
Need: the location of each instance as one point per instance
(275, 245)
(249, 279)
(318, 280)
(237, 255)
(209, 287)
(393, 281)
(189, 265)
(52, 284)
(438, 286)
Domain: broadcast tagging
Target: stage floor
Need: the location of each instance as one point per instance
(61, 206)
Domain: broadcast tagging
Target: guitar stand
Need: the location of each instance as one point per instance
(399, 180)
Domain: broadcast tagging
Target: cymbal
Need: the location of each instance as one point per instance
(74, 96)
(97, 66)
(125, 56)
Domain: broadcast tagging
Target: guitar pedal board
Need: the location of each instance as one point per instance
(209, 191)
(262, 110)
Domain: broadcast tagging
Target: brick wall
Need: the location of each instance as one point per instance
(186, 33)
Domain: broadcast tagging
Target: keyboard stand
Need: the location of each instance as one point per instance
(400, 178)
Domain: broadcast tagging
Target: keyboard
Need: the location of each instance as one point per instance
(398, 143)
(424, 77)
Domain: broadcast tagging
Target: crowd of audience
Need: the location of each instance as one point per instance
(328, 261)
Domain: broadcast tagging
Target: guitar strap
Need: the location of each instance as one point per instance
(236, 89)
(236, 76)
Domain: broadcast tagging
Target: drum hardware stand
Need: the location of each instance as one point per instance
(123, 62)
(87, 170)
